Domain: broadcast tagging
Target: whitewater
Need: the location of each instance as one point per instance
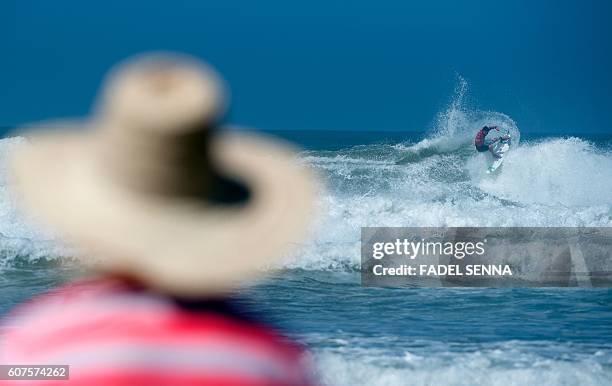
(420, 336)
(441, 181)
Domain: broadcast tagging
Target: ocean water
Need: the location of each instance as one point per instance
(411, 336)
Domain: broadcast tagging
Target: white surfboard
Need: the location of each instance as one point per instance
(500, 148)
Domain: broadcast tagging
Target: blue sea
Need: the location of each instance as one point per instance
(411, 336)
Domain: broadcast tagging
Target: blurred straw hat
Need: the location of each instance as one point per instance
(157, 192)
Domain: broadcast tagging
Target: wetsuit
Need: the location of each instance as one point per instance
(479, 141)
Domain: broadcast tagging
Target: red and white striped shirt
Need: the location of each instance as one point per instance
(112, 334)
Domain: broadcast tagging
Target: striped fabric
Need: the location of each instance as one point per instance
(111, 334)
(479, 140)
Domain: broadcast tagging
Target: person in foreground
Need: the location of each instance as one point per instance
(482, 145)
(178, 215)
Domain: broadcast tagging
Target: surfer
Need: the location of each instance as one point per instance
(482, 145)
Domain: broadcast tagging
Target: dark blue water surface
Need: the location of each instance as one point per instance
(337, 305)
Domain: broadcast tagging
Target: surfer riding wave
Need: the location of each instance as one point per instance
(482, 145)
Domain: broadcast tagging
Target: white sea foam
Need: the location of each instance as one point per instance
(560, 171)
(557, 182)
(497, 367)
(385, 361)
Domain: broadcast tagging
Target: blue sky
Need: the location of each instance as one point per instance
(338, 65)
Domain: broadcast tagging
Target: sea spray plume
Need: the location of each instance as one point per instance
(454, 127)
(455, 116)
(460, 120)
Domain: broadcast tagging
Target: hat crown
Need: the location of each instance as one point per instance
(157, 114)
(164, 93)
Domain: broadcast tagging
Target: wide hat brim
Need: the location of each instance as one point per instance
(185, 247)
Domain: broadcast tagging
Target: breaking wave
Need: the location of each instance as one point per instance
(437, 180)
(441, 181)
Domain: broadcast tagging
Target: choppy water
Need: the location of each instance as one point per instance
(369, 336)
